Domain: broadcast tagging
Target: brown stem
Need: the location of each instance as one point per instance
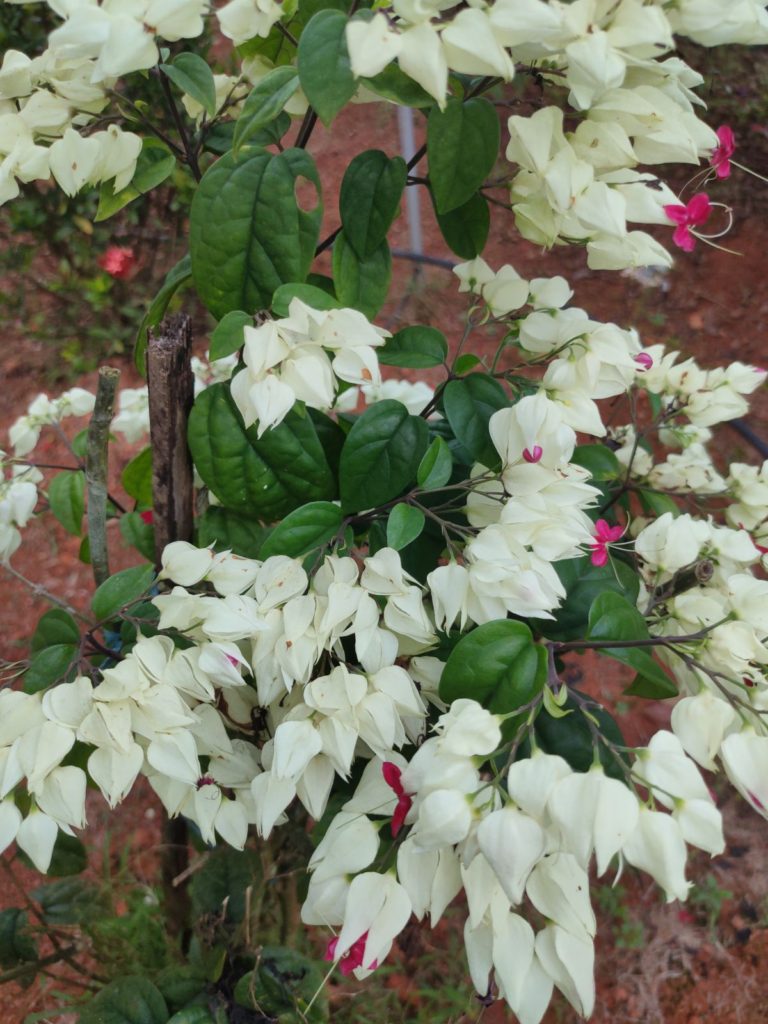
(96, 459)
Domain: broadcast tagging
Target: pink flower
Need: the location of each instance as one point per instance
(643, 360)
(353, 958)
(721, 155)
(535, 455)
(147, 516)
(392, 776)
(692, 215)
(604, 535)
(118, 261)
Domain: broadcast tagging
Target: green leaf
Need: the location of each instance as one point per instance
(66, 496)
(381, 455)
(304, 530)
(222, 881)
(331, 437)
(393, 84)
(612, 617)
(361, 284)
(155, 163)
(417, 347)
(498, 665)
(248, 234)
(230, 531)
(462, 148)
(264, 477)
(180, 983)
(16, 943)
(599, 460)
(436, 467)
(657, 504)
(130, 1000)
(466, 362)
(466, 228)
(176, 278)
(469, 404)
(264, 103)
(190, 73)
(404, 525)
(137, 478)
(120, 590)
(138, 534)
(584, 582)
(370, 198)
(220, 136)
(192, 1015)
(84, 554)
(228, 335)
(49, 666)
(55, 627)
(323, 62)
(313, 296)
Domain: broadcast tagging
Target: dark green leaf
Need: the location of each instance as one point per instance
(120, 590)
(583, 582)
(137, 478)
(220, 136)
(131, 1000)
(84, 553)
(466, 362)
(222, 882)
(599, 460)
(498, 665)
(192, 1015)
(404, 525)
(571, 737)
(466, 228)
(361, 284)
(436, 467)
(304, 530)
(16, 944)
(70, 901)
(370, 198)
(313, 296)
(248, 234)
(69, 856)
(49, 666)
(228, 336)
(155, 163)
(331, 437)
(138, 534)
(230, 531)
(381, 455)
(266, 477)
(612, 617)
(66, 496)
(193, 76)
(323, 61)
(657, 504)
(55, 627)
(283, 986)
(176, 278)
(393, 84)
(469, 404)
(264, 103)
(180, 983)
(462, 148)
(417, 347)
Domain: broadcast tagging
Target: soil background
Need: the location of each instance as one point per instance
(702, 963)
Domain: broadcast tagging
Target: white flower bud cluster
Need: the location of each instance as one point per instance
(301, 358)
(527, 843)
(18, 497)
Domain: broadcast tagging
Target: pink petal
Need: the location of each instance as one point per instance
(644, 360)
(699, 208)
(599, 554)
(727, 139)
(683, 238)
(392, 776)
(677, 214)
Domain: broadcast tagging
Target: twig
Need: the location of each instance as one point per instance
(39, 591)
(96, 458)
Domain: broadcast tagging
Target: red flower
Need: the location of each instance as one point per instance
(721, 154)
(392, 776)
(686, 217)
(118, 261)
(353, 957)
(147, 516)
(604, 535)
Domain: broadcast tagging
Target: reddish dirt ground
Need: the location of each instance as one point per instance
(657, 964)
